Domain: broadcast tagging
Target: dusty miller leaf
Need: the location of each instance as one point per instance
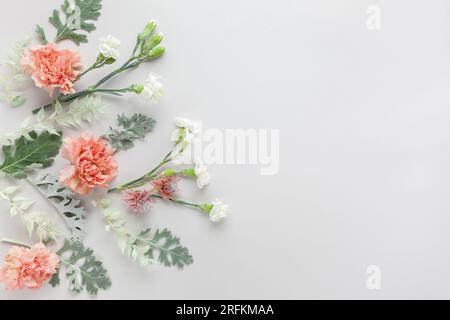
(129, 130)
(46, 229)
(83, 270)
(41, 34)
(12, 78)
(166, 248)
(66, 202)
(146, 247)
(84, 110)
(29, 152)
(79, 18)
(81, 111)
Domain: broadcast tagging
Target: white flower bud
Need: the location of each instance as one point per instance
(108, 47)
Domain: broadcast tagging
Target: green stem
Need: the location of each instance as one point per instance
(15, 243)
(180, 202)
(63, 99)
(139, 182)
(109, 76)
(136, 46)
(93, 67)
(123, 90)
(71, 97)
(127, 65)
(151, 174)
(131, 63)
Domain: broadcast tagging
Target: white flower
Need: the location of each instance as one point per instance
(218, 212)
(192, 126)
(153, 88)
(182, 122)
(203, 176)
(108, 47)
(187, 132)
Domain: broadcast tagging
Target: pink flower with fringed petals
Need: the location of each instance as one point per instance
(138, 201)
(166, 186)
(51, 68)
(92, 164)
(28, 268)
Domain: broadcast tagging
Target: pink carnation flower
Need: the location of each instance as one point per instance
(166, 186)
(28, 268)
(51, 68)
(138, 201)
(93, 165)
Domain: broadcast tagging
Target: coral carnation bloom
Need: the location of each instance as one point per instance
(28, 268)
(138, 201)
(166, 186)
(92, 164)
(51, 68)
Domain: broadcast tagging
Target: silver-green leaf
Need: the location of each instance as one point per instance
(41, 34)
(30, 151)
(164, 247)
(148, 246)
(83, 270)
(66, 202)
(130, 129)
(77, 18)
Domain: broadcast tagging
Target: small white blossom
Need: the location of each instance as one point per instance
(203, 176)
(218, 212)
(186, 133)
(187, 130)
(108, 47)
(153, 88)
(192, 126)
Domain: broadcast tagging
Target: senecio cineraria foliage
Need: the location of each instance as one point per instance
(91, 159)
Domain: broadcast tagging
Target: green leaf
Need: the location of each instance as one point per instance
(12, 78)
(45, 228)
(79, 18)
(55, 280)
(83, 270)
(30, 151)
(80, 111)
(66, 202)
(130, 129)
(146, 247)
(166, 248)
(41, 33)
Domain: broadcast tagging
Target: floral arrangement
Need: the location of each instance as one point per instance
(91, 163)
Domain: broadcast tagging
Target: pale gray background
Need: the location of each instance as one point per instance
(365, 136)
